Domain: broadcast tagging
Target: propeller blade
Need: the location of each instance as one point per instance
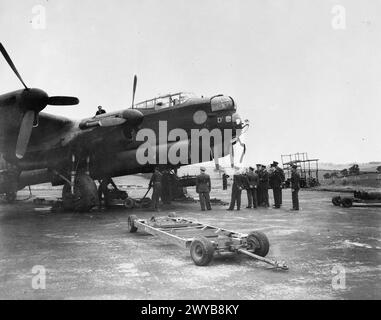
(62, 101)
(134, 90)
(24, 134)
(13, 67)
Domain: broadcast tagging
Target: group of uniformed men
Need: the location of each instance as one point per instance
(255, 182)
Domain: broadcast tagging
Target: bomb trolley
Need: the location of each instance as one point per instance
(361, 197)
(204, 240)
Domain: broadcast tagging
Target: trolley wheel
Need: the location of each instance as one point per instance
(172, 215)
(347, 202)
(259, 243)
(201, 251)
(336, 201)
(129, 203)
(131, 225)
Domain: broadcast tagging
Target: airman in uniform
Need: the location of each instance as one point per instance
(253, 180)
(295, 187)
(237, 187)
(259, 188)
(166, 184)
(276, 180)
(155, 183)
(225, 181)
(265, 186)
(203, 187)
(104, 192)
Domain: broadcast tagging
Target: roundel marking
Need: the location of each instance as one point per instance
(200, 117)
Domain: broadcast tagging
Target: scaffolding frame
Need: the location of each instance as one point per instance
(309, 168)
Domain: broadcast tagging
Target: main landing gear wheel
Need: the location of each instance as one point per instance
(202, 251)
(336, 201)
(131, 226)
(258, 243)
(85, 195)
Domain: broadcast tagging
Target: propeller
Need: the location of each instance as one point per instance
(31, 102)
(134, 90)
(11, 64)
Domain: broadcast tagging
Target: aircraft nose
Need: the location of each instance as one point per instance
(133, 117)
(239, 123)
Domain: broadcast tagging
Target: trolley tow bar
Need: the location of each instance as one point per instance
(277, 264)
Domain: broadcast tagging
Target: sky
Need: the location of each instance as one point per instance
(307, 82)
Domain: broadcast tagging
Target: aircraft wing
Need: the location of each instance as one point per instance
(50, 132)
(110, 132)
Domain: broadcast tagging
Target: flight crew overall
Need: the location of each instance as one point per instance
(265, 186)
(259, 187)
(253, 180)
(166, 187)
(237, 187)
(295, 187)
(276, 179)
(203, 187)
(155, 183)
(103, 190)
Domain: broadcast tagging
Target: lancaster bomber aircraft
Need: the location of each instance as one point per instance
(40, 147)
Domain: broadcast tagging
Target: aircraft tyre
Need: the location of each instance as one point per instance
(85, 195)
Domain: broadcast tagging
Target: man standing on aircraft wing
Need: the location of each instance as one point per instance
(100, 111)
(203, 187)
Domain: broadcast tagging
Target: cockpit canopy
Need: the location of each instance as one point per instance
(166, 101)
